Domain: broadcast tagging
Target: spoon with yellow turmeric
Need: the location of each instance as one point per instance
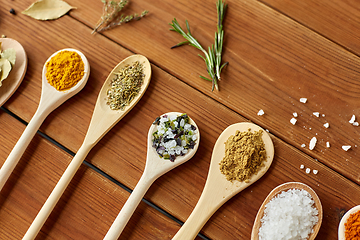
(64, 74)
(244, 145)
(123, 88)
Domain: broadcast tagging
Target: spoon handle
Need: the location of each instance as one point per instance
(129, 207)
(203, 210)
(57, 192)
(21, 145)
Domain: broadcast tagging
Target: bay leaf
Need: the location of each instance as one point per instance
(5, 66)
(9, 54)
(47, 9)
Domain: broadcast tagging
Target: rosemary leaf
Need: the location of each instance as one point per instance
(213, 56)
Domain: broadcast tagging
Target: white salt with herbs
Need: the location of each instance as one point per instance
(290, 215)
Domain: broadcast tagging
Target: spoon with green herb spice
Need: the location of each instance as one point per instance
(218, 189)
(172, 140)
(103, 119)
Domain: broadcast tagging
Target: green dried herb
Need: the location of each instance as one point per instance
(212, 57)
(125, 86)
(111, 18)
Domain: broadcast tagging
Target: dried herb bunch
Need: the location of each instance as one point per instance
(212, 57)
(125, 86)
(110, 17)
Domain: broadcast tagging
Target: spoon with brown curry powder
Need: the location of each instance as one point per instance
(218, 189)
(51, 98)
(103, 119)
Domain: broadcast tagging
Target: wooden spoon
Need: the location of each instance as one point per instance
(12, 82)
(217, 188)
(341, 229)
(103, 119)
(276, 191)
(154, 168)
(50, 100)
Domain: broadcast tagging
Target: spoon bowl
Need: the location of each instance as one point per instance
(154, 168)
(103, 119)
(278, 190)
(341, 229)
(217, 188)
(50, 100)
(12, 82)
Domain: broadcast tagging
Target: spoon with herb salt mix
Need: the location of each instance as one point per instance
(50, 99)
(103, 119)
(285, 187)
(218, 189)
(155, 167)
(17, 73)
(341, 229)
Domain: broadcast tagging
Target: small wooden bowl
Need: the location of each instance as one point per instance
(341, 229)
(276, 191)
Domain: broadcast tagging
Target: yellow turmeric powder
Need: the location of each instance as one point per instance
(64, 70)
(352, 227)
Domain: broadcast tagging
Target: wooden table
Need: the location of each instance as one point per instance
(278, 52)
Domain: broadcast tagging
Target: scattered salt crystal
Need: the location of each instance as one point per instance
(346, 147)
(327, 144)
(303, 145)
(289, 215)
(293, 121)
(307, 170)
(352, 120)
(315, 171)
(312, 143)
(323, 115)
(356, 124)
(317, 114)
(261, 112)
(267, 130)
(302, 166)
(295, 114)
(303, 100)
(327, 125)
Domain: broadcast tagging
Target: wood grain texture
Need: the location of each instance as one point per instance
(85, 211)
(274, 60)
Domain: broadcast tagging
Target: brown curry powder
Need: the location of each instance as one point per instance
(64, 70)
(244, 155)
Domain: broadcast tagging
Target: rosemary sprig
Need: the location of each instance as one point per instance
(212, 56)
(110, 18)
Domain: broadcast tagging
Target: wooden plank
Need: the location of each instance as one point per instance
(261, 57)
(335, 20)
(274, 61)
(88, 206)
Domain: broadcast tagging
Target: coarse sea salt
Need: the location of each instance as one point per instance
(261, 112)
(293, 121)
(327, 125)
(303, 100)
(317, 114)
(288, 216)
(295, 114)
(346, 147)
(327, 144)
(312, 143)
(307, 170)
(352, 120)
